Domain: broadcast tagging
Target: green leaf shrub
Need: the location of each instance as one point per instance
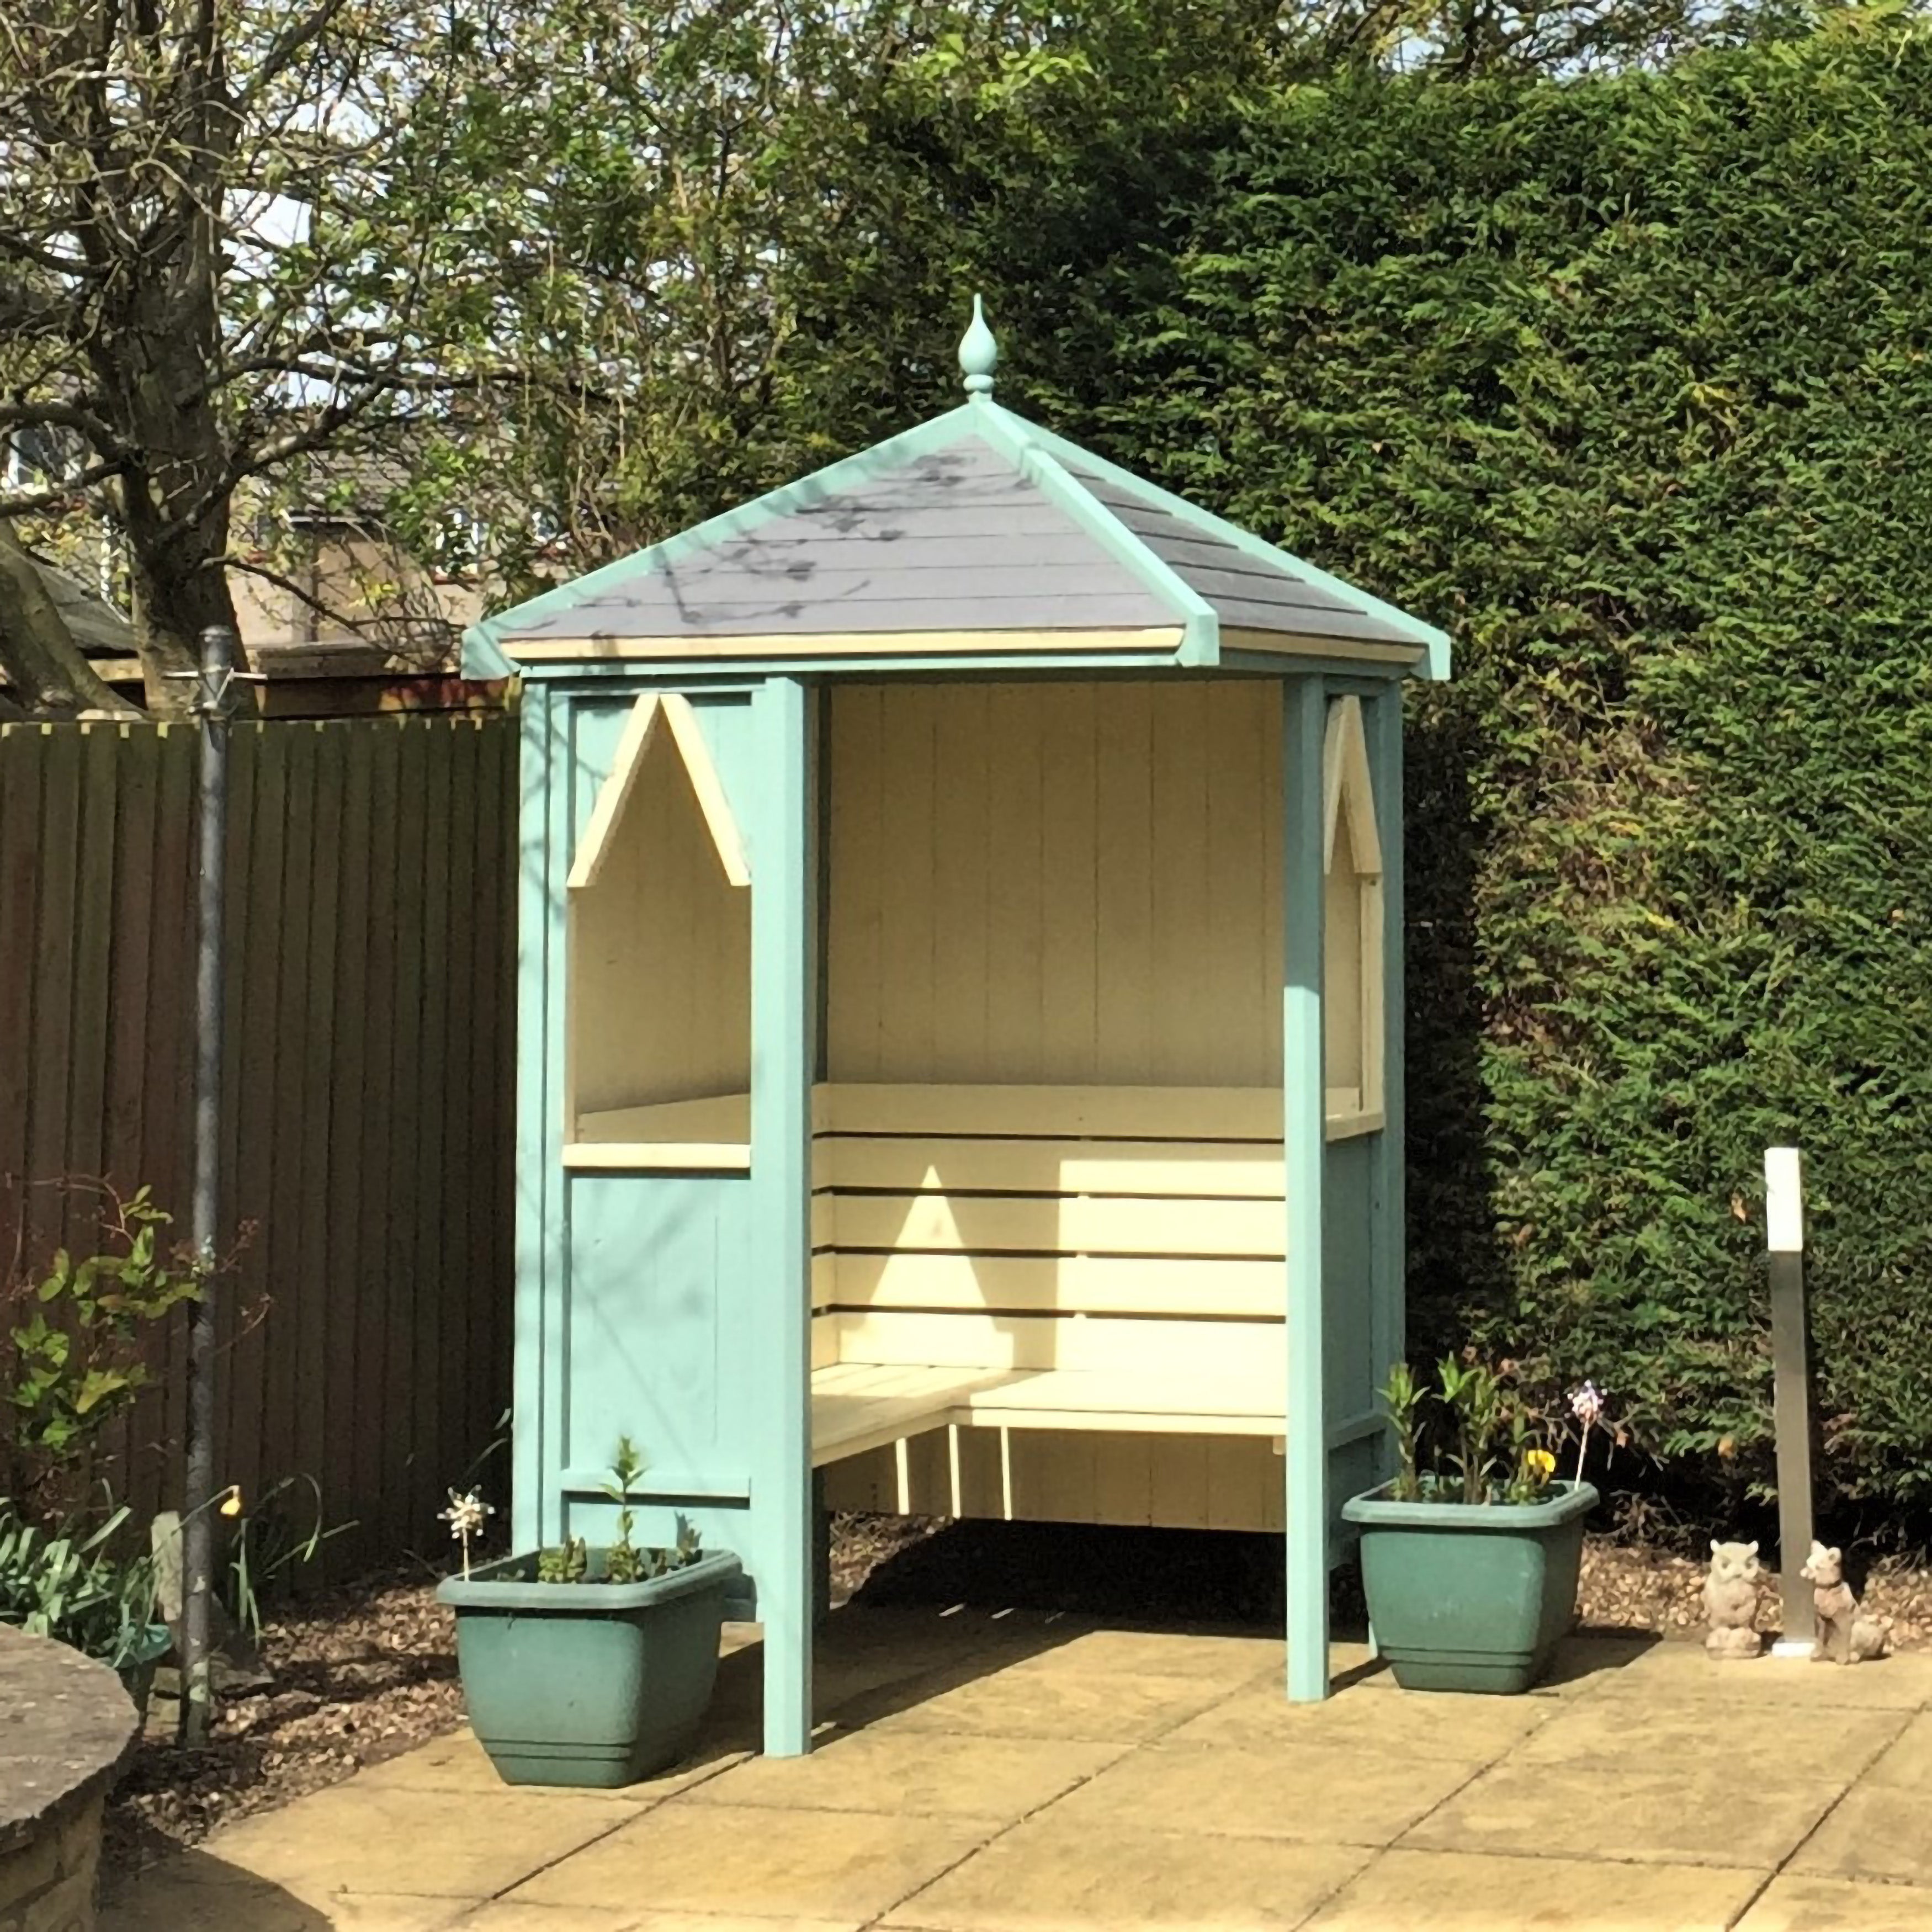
(1629, 384)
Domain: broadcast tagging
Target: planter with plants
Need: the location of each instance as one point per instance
(582, 1665)
(1470, 1555)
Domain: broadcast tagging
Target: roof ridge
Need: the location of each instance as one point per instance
(1437, 642)
(1200, 626)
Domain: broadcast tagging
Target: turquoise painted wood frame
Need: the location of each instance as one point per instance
(674, 1305)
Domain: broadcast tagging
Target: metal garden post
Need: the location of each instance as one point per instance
(211, 701)
(1791, 1369)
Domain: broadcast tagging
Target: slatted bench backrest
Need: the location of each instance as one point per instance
(1133, 1231)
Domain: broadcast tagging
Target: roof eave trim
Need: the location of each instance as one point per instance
(481, 657)
(856, 647)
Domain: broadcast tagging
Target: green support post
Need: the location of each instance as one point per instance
(1304, 1152)
(1389, 1264)
(783, 1002)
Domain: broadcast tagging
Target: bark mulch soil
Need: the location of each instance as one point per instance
(362, 1673)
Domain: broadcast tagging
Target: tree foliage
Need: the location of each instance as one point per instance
(222, 248)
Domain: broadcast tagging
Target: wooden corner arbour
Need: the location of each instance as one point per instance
(959, 1030)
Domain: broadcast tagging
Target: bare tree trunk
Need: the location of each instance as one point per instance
(48, 670)
(180, 588)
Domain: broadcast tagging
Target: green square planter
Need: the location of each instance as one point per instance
(1471, 1598)
(587, 1683)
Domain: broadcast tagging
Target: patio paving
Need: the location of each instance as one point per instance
(980, 1773)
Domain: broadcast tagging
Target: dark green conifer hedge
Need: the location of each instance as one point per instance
(1629, 383)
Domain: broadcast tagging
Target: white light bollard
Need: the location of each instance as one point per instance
(1791, 1395)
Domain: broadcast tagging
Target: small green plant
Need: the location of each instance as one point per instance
(268, 1544)
(626, 1560)
(567, 1563)
(79, 1347)
(73, 1587)
(1402, 1397)
(1476, 1437)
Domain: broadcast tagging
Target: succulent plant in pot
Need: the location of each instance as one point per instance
(588, 1665)
(1470, 1553)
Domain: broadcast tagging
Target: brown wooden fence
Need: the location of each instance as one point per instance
(366, 1159)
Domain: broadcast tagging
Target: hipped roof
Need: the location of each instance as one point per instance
(977, 534)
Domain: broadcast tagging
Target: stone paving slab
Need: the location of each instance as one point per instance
(1710, 1811)
(724, 1858)
(1052, 1873)
(1091, 1706)
(1221, 1660)
(503, 1916)
(458, 1763)
(1609, 1731)
(1681, 1669)
(1469, 1891)
(908, 1772)
(1875, 1831)
(364, 1837)
(199, 1894)
(1446, 1728)
(1044, 1775)
(1793, 1904)
(1907, 1764)
(1334, 1796)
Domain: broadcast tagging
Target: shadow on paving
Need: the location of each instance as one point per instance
(1228, 1578)
(205, 1894)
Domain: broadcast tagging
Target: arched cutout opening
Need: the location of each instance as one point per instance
(1352, 918)
(658, 1016)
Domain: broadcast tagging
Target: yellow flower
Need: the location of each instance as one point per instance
(231, 1504)
(1540, 1463)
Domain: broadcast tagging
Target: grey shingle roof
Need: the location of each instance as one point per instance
(953, 538)
(975, 523)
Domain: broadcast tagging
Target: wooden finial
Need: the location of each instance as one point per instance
(978, 354)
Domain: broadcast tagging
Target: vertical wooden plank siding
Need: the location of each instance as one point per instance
(1388, 1211)
(375, 1277)
(20, 845)
(93, 912)
(52, 985)
(351, 1180)
(1304, 722)
(784, 950)
(365, 1080)
(983, 839)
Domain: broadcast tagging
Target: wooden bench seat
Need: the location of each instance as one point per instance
(858, 1406)
(1102, 1260)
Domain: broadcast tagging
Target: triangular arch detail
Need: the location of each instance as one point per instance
(672, 713)
(1347, 795)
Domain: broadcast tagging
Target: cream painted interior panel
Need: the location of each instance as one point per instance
(1058, 883)
(660, 1001)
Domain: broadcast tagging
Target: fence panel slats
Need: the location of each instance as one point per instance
(52, 992)
(19, 877)
(366, 1082)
